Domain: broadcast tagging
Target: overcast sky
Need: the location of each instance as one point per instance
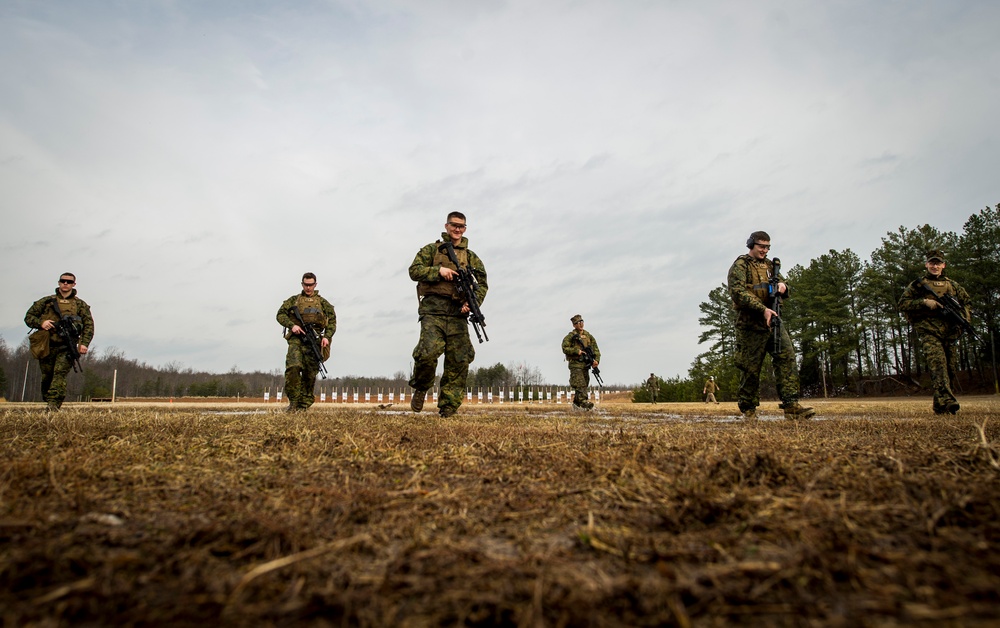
(190, 160)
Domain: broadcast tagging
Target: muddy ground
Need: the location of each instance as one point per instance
(876, 513)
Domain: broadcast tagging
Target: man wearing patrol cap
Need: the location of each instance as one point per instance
(938, 335)
(573, 346)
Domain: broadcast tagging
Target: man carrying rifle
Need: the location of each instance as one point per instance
(444, 311)
(936, 307)
(310, 322)
(581, 351)
(66, 328)
(756, 290)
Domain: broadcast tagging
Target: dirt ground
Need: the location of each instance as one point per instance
(875, 513)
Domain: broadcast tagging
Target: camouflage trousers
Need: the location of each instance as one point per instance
(55, 367)
(579, 381)
(751, 347)
(301, 368)
(448, 335)
(942, 361)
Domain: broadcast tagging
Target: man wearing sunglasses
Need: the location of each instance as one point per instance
(49, 347)
(754, 293)
(301, 365)
(443, 315)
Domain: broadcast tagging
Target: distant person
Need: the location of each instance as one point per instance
(709, 390)
(753, 294)
(443, 315)
(52, 349)
(301, 364)
(653, 384)
(921, 302)
(575, 347)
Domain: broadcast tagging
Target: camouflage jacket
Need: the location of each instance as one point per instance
(571, 347)
(286, 320)
(924, 319)
(440, 298)
(41, 310)
(747, 283)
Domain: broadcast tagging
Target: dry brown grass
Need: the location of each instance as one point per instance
(879, 513)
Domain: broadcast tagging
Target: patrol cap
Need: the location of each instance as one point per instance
(935, 255)
(576, 319)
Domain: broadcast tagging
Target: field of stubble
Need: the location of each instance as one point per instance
(877, 513)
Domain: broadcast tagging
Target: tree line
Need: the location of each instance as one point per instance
(842, 315)
(109, 370)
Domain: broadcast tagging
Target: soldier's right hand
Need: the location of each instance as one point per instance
(768, 314)
(447, 274)
(931, 304)
(48, 325)
(298, 331)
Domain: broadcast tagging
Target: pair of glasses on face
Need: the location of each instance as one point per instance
(765, 247)
(457, 225)
(308, 285)
(67, 281)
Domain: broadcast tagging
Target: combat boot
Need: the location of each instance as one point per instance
(750, 415)
(447, 411)
(417, 400)
(953, 407)
(797, 411)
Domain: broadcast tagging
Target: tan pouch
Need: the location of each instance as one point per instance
(39, 343)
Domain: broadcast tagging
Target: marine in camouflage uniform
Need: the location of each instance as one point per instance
(654, 387)
(749, 288)
(301, 365)
(709, 390)
(444, 325)
(56, 364)
(579, 368)
(938, 336)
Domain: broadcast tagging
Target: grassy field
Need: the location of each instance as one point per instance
(876, 513)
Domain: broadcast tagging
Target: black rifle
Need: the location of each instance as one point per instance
(66, 329)
(312, 339)
(588, 355)
(951, 309)
(772, 287)
(467, 286)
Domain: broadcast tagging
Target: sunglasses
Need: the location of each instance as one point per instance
(308, 285)
(69, 281)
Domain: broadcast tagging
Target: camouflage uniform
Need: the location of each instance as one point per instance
(301, 366)
(938, 336)
(56, 365)
(709, 390)
(579, 368)
(654, 386)
(748, 288)
(443, 326)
